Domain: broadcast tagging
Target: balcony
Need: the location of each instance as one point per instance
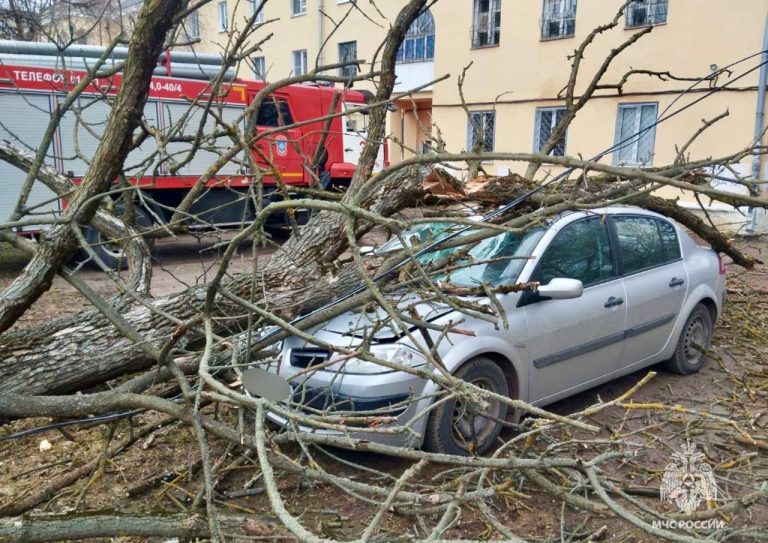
(414, 74)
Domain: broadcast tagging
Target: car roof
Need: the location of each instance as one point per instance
(566, 217)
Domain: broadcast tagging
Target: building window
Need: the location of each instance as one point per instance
(646, 13)
(254, 5)
(419, 42)
(486, 23)
(558, 20)
(222, 12)
(192, 25)
(348, 53)
(546, 121)
(635, 134)
(259, 67)
(480, 129)
(298, 7)
(300, 62)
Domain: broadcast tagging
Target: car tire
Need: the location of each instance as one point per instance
(694, 341)
(450, 425)
(111, 253)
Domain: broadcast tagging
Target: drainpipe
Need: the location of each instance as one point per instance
(759, 121)
(320, 33)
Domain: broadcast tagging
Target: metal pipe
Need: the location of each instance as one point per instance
(320, 17)
(16, 47)
(759, 121)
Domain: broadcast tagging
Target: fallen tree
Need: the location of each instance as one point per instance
(181, 337)
(305, 274)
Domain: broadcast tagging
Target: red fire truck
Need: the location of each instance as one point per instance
(176, 109)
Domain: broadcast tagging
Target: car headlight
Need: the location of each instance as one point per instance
(398, 354)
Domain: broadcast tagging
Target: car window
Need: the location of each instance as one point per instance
(582, 250)
(270, 115)
(646, 242)
(495, 261)
(421, 234)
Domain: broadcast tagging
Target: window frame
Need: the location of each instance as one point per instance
(491, 29)
(303, 53)
(263, 61)
(636, 163)
(650, 4)
(537, 129)
(222, 16)
(254, 4)
(565, 6)
(351, 70)
(471, 130)
(192, 22)
(619, 251)
(302, 5)
(414, 36)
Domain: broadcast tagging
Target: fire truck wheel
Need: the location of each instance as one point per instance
(112, 253)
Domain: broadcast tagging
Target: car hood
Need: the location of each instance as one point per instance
(377, 323)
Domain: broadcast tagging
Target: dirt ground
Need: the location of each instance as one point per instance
(161, 471)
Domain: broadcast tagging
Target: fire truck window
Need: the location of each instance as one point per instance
(268, 114)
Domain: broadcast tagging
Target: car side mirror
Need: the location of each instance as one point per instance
(561, 288)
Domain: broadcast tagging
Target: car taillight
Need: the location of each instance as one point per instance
(721, 263)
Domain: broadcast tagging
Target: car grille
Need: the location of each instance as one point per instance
(305, 358)
(325, 399)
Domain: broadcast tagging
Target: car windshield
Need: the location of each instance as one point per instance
(421, 234)
(495, 261)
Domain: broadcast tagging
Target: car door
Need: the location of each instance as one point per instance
(283, 149)
(576, 341)
(655, 282)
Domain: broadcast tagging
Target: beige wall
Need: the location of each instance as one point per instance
(532, 72)
(528, 72)
(303, 31)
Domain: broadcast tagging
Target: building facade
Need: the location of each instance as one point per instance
(517, 59)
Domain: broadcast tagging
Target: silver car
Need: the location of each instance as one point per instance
(620, 289)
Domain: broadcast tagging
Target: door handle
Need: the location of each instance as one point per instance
(614, 301)
(675, 282)
(348, 149)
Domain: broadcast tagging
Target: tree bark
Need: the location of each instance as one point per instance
(76, 527)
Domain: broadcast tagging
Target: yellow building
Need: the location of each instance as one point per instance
(519, 54)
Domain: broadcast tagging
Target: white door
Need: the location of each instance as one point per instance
(355, 136)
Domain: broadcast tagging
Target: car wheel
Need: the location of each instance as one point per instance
(694, 341)
(455, 427)
(110, 252)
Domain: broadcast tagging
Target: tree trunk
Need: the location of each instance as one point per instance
(79, 351)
